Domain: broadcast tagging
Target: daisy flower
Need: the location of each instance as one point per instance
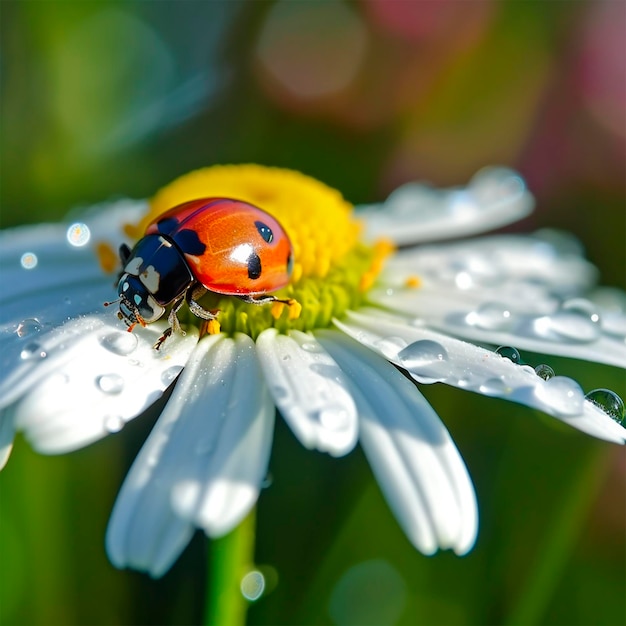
(365, 318)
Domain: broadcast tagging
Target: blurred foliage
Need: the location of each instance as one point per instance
(109, 98)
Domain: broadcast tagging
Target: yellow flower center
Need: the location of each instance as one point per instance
(332, 269)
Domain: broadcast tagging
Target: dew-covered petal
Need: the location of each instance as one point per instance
(55, 266)
(310, 391)
(416, 213)
(204, 461)
(536, 321)
(411, 453)
(433, 357)
(548, 259)
(87, 378)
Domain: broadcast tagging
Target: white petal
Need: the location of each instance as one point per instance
(89, 377)
(416, 213)
(7, 434)
(433, 357)
(310, 391)
(203, 463)
(411, 453)
(59, 264)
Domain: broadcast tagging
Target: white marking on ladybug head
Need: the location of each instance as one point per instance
(151, 279)
(133, 266)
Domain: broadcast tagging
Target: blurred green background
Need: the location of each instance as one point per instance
(107, 98)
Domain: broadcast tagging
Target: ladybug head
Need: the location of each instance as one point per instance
(137, 304)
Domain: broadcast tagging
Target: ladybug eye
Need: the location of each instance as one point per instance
(265, 231)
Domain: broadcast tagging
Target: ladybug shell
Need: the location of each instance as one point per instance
(231, 247)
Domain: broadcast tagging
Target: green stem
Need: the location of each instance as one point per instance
(560, 539)
(231, 557)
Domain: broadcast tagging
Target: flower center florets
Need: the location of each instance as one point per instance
(332, 269)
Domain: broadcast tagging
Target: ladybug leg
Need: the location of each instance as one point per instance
(174, 327)
(264, 299)
(197, 309)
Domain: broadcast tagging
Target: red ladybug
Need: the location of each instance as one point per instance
(225, 246)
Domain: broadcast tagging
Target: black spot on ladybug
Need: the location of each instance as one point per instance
(189, 242)
(254, 266)
(167, 226)
(265, 231)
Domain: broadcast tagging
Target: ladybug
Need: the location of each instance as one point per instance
(220, 245)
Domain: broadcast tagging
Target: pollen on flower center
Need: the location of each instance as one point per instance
(331, 270)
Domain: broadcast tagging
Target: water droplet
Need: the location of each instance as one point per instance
(494, 387)
(252, 585)
(463, 280)
(496, 184)
(544, 371)
(78, 234)
(562, 395)
(311, 346)
(491, 316)
(119, 343)
(170, 374)
(510, 353)
(560, 242)
(111, 384)
(279, 392)
(334, 418)
(576, 320)
(29, 260)
(28, 326)
(33, 351)
(426, 359)
(113, 423)
(609, 402)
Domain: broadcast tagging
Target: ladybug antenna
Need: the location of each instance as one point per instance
(112, 302)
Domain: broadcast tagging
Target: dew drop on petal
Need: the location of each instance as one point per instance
(496, 184)
(119, 343)
(252, 585)
(491, 316)
(493, 387)
(425, 358)
(111, 384)
(113, 423)
(544, 371)
(33, 351)
(170, 374)
(29, 326)
(576, 320)
(562, 395)
(29, 260)
(609, 402)
(510, 353)
(279, 392)
(78, 234)
(311, 346)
